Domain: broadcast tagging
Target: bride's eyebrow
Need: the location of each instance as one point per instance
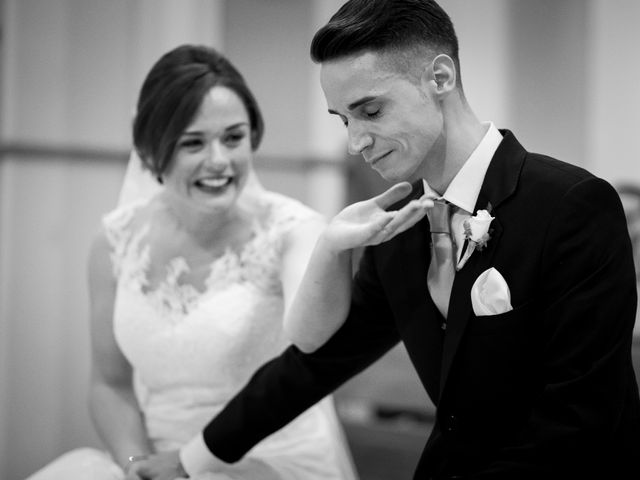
(194, 132)
(237, 125)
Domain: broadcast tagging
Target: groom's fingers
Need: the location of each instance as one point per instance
(394, 194)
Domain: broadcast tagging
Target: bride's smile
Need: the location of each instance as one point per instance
(214, 154)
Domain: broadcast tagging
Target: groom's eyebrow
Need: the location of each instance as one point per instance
(362, 101)
(354, 105)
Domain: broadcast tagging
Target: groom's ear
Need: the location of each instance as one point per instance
(440, 75)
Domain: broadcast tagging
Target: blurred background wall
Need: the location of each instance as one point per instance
(563, 74)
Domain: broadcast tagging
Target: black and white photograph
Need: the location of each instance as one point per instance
(319, 239)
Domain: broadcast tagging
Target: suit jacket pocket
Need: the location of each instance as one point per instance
(495, 369)
(517, 318)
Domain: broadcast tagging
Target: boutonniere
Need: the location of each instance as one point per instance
(476, 234)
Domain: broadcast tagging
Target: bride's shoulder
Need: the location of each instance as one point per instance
(121, 224)
(289, 222)
(284, 210)
(129, 215)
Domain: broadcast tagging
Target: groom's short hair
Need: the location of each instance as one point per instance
(171, 96)
(406, 29)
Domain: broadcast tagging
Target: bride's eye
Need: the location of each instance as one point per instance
(191, 144)
(234, 138)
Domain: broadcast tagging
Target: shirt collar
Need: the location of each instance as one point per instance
(465, 187)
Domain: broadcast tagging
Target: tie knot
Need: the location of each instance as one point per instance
(439, 217)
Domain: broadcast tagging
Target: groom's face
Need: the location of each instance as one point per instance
(391, 118)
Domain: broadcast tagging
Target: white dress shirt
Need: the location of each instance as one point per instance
(465, 187)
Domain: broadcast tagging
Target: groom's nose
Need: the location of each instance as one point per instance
(359, 138)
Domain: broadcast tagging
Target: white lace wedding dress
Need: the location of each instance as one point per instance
(192, 351)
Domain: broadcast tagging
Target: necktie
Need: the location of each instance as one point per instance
(442, 266)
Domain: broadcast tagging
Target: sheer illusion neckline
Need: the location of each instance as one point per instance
(170, 293)
(179, 266)
(174, 292)
(252, 264)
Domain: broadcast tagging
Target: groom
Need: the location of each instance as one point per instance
(517, 313)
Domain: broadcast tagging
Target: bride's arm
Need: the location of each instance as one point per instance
(112, 403)
(316, 304)
(306, 331)
(321, 303)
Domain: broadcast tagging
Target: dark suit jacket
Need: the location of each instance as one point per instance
(544, 390)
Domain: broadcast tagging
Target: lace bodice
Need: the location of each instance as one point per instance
(192, 350)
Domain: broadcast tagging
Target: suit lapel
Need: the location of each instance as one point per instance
(460, 309)
(405, 262)
(500, 182)
(412, 268)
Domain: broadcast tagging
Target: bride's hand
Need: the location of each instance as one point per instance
(132, 476)
(160, 466)
(368, 223)
(130, 470)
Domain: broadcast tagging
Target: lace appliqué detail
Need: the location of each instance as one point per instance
(171, 297)
(257, 262)
(118, 234)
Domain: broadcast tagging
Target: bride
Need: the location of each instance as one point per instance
(189, 281)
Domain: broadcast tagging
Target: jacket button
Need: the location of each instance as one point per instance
(452, 423)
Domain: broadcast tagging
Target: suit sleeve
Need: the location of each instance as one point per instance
(289, 384)
(582, 415)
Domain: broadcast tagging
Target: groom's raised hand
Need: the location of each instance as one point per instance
(369, 223)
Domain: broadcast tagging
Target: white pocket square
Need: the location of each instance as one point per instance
(490, 294)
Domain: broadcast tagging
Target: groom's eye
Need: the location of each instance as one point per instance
(371, 111)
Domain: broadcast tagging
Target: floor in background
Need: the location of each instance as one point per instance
(386, 452)
(387, 418)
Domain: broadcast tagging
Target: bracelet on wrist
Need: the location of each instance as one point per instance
(133, 459)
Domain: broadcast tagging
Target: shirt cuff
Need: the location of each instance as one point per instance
(197, 458)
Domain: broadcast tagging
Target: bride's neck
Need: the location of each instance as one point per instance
(207, 226)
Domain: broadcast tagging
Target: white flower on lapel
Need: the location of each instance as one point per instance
(476, 229)
(476, 234)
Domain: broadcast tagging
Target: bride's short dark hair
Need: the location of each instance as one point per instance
(171, 95)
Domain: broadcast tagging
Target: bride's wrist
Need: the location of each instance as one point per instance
(132, 460)
(331, 246)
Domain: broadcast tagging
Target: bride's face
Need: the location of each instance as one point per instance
(213, 155)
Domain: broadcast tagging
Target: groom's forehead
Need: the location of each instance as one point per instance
(361, 64)
(347, 79)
